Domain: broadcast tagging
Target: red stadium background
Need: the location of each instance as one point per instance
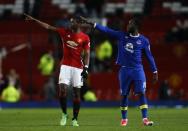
(171, 57)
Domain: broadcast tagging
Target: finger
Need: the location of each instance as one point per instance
(26, 15)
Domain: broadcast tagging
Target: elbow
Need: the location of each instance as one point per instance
(47, 27)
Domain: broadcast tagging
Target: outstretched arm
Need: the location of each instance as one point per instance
(104, 29)
(18, 47)
(43, 24)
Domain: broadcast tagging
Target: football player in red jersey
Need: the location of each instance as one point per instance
(73, 70)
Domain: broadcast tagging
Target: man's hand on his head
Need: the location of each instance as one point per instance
(84, 20)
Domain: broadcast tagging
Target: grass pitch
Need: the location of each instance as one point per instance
(92, 119)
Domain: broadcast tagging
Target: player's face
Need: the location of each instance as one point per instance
(74, 24)
(131, 27)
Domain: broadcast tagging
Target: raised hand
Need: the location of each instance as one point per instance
(28, 17)
(85, 21)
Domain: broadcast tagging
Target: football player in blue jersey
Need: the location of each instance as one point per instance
(131, 45)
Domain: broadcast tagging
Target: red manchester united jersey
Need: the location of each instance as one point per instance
(73, 45)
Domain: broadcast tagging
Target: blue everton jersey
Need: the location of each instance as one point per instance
(130, 48)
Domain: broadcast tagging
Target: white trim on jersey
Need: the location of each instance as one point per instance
(134, 35)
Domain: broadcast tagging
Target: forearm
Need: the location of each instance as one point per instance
(106, 30)
(44, 25)
(152, 64)
(86, 58)
(150, 59)
(101, 28)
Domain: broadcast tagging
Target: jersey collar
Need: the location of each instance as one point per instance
(134, 35)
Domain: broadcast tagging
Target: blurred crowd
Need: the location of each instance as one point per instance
(169, 92)
(10, 87)
(178, 33)
(102, 51)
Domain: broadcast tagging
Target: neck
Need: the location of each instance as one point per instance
(135, 33)
(75, 30)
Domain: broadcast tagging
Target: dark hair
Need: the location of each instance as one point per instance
(76, 18)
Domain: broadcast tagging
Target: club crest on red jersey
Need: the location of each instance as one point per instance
(72, 44)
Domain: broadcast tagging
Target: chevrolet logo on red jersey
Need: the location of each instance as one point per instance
(72, 44)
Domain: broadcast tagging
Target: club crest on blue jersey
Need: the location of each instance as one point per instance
(129, 47)
(138, 42)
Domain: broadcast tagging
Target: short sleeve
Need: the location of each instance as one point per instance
(61, 31)
(87, 43)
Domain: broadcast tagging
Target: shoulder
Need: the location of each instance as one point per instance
(144, 38)
(84, 35)
(125, 33)
(62, 29)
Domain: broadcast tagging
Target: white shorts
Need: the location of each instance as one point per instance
(70, 76)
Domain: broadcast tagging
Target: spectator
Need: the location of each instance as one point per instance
(49, 89)
(164, 91)
(47, 63)
(87, 94)
(36, 8)
(80, 9)
(94, 7)
(178, 33)
(3, 53)
(10, 94)
(26, 5)
(11, 87)
(104, 55)
(13, 79)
